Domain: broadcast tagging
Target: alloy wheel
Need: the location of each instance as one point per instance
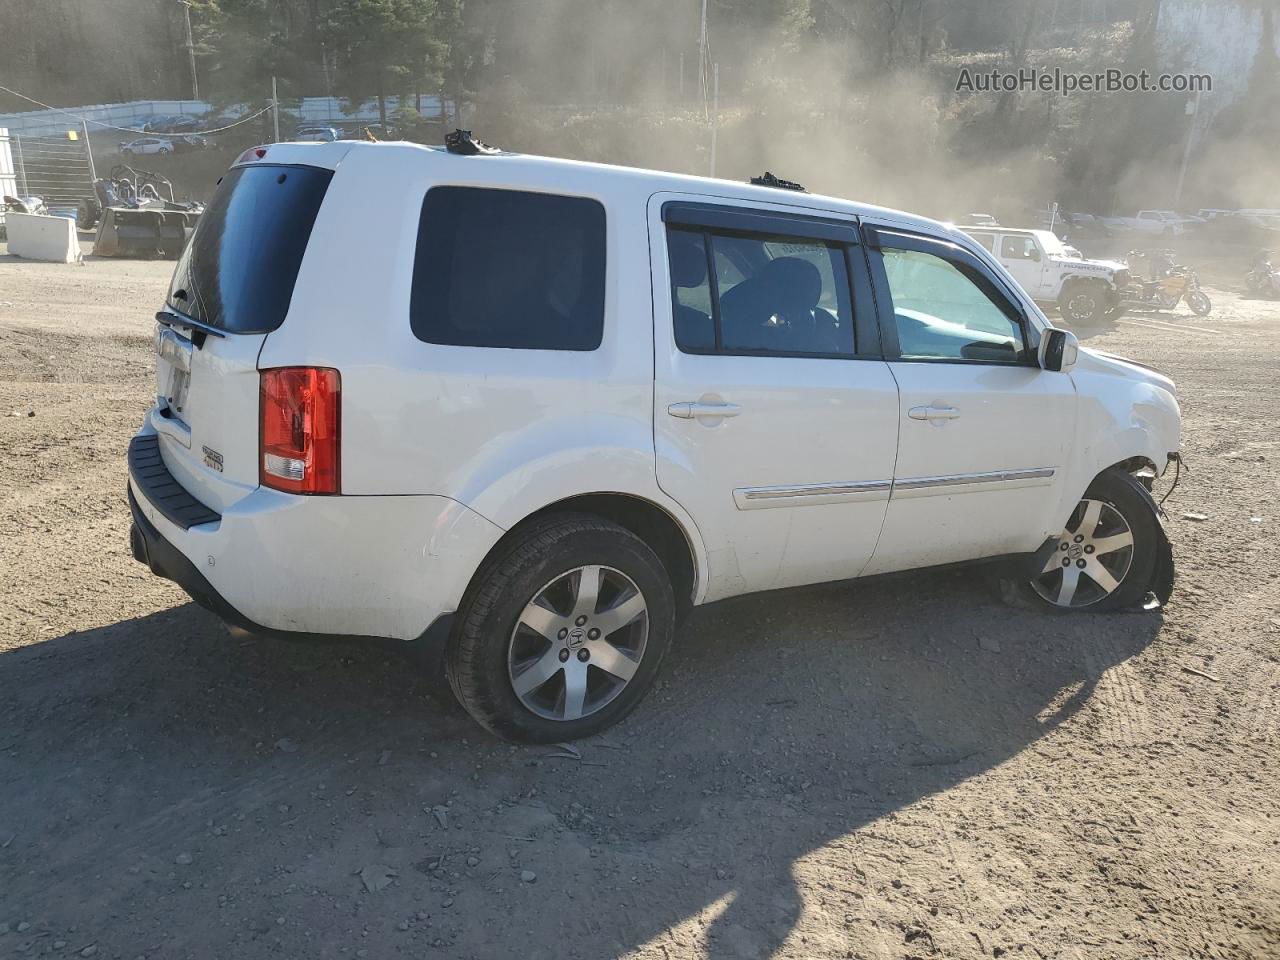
(1092, 559)
(1082, 306)
(578, 642)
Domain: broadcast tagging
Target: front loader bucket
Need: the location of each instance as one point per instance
(143, 233)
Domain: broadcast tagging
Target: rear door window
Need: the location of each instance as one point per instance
(507, 268)
(238, 271)
(768, 294)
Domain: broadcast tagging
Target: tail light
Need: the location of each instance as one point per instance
(301, 429)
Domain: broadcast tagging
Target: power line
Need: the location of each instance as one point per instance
(111, 126)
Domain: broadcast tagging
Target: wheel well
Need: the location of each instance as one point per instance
(1081, 281)
(1140, 467)
(1133, 465)
(646, 520)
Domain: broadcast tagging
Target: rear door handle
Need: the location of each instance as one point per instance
(933, 413)
(691, 410)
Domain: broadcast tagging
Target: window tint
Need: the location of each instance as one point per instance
(503, 268)
(942, 314)
(986, 239)
(767, 295)
(1017, 248)
(240, 266)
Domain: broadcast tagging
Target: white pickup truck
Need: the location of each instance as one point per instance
(1053, 273)
(1155, 222)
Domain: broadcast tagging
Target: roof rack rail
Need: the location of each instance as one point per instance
(462, 142)
(769, 180)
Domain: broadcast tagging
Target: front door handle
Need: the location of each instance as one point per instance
(933, 413)
(691, 410)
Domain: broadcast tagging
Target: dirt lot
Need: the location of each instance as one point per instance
(904, 769)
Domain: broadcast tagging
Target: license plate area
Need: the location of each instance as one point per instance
(173, 369)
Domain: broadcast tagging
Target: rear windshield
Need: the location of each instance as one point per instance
(238, 271)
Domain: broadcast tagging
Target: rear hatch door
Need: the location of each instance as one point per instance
(232, 286)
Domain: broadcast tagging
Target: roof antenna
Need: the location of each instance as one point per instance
(463, 143)
(767, 179)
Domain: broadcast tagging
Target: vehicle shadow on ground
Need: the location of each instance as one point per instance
(224, 795)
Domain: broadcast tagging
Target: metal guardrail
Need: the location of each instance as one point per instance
(132, 115)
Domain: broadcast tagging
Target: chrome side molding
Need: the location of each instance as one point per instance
(811, 494)
(955, 483)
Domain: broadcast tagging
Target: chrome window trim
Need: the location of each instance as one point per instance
(813, 494)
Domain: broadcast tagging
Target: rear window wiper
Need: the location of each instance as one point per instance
(175, 318)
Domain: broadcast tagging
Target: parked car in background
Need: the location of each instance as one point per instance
(1167, 221)
(1051, 272)
(981, 220)
(1266, 218)
(190, 141)
(583, 399)
(177, 124)
(146, 145)
(318, 134)
(153, 124)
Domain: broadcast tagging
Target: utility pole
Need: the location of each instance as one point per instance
(715, 113)
(702, 61)
(1193, 108)
(275, 110)
(191, 51)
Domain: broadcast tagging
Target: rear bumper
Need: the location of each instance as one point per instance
(150, 547)
(345, 566)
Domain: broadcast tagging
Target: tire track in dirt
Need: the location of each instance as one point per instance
(1249, 673)
(1118, 701)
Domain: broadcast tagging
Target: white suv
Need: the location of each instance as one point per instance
(1052, 272)
(538, 409)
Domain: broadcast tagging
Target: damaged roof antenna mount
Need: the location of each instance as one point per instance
(463, 143)
(767, 179)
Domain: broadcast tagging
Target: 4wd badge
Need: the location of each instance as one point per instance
(212, 459)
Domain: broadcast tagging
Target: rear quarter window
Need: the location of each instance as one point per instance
(239, 269)
(508, 268)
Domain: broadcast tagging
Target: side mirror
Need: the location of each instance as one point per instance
(1035, 254)
(1059, 350)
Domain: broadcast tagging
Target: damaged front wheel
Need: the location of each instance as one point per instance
(1107, 555)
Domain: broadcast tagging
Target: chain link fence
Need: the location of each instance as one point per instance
(58, 169)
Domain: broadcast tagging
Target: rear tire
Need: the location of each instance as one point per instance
(1105, 558)
(542, 618)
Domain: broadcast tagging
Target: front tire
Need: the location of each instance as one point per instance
(1081, 302)
(1106, 555)
(563, 632)
(1199, 303)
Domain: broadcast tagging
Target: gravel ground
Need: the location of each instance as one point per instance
(898, 769)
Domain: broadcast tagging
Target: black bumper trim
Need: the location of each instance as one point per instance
(165, 560)
(157, 484)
